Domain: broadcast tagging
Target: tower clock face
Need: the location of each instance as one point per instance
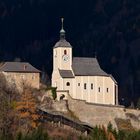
(65, 58)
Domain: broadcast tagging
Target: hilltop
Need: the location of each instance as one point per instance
(108, 27)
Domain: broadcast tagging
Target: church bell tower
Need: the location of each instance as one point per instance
(62, 52)
(62, 58)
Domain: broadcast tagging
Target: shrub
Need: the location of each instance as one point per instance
(54, 93)
(53, 90)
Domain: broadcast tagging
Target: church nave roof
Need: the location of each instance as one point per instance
(87, 67)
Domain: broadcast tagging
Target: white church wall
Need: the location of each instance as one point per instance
(99, 89)
(78, 87)
(85, 86)
(68, 85)
(110, 94)
(92, 97)
(55, 78)
(104, 95)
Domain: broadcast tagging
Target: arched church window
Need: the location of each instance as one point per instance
(65, 52)
(107, 90)
(99, 89)
(85, 86)
(68, 83)
(91, 86)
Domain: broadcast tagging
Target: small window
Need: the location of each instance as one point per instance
(85, 86)
(107, 90)
(78, 84)
(99, 89)
(68, 83)
(91, 86)
(65, 52)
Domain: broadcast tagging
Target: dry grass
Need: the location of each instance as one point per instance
(124, 124)
(60, 133)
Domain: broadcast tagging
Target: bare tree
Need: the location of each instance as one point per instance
(7, 104)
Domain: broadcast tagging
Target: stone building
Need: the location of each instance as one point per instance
(19, 74)
(80, 77)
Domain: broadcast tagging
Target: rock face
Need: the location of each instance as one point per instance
(48, 103)
(94, 114)
(60, 106)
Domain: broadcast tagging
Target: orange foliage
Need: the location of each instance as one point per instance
(24, 114)
(26, 108)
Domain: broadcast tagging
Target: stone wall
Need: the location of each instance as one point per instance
(95, 114)
(18, 80)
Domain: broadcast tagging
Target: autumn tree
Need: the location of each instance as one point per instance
(26, 109)
(7, 101)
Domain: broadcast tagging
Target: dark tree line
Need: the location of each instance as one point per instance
(30, 28)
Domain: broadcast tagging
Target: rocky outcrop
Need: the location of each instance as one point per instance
(95, 114)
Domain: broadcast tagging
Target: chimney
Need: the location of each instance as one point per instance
(24, 67)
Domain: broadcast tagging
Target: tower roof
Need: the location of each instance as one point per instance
(62, 42)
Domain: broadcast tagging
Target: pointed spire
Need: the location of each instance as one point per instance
(62, 20)
(62, 31)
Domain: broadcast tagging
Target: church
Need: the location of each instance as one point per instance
(81, 77)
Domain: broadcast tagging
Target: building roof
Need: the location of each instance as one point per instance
(63, 43)
(87, 67)
(113, 79)
(18, 67)
(66, 73)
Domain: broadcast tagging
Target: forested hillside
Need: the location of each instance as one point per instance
(111, 28)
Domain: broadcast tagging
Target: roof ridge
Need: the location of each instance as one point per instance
(18, 67)
(87, 67)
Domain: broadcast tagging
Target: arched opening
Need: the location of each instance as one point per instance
(62, 96)
(65, 52)
(68, 84)
(99, 89)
